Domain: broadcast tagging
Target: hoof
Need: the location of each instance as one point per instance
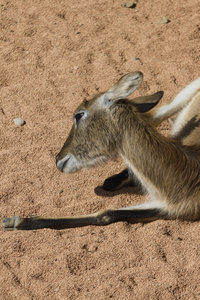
(12, 223)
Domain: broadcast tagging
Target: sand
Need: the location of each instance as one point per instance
(53, 54)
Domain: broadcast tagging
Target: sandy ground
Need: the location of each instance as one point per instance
(53, 54)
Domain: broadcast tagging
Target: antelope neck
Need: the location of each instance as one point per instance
(145, 150)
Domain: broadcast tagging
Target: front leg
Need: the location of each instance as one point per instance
(140, 213)
(122, 179)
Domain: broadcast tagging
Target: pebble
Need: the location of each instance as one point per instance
(19, 122)
(130, 4)
(163, 21)
(135, 58)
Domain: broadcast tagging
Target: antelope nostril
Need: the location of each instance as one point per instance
(57, 158)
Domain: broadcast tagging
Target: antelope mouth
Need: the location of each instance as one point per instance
(68, 164)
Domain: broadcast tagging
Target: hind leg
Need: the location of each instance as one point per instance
(186, 126)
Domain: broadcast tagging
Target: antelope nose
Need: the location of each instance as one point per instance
(57, 158)
(59, 164)
(62, 163)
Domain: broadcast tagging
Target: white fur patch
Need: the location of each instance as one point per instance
(146, 205)
(179, 102)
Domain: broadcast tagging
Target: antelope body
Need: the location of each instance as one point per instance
(167, 168)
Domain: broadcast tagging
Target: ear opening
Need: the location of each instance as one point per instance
(126, 85)
(146, 103)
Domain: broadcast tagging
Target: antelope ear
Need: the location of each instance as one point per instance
(146, 103)
(124, 87)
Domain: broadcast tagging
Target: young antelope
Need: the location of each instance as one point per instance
(168, 169)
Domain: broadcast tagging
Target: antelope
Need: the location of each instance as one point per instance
(168, 168)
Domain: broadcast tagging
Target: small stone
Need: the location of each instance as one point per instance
(135, 58)
(19, 122)
(130, 4)
(163, 21)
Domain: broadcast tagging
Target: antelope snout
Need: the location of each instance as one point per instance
(62, 163)
(67, 164)
(59, 163)
(57, 158)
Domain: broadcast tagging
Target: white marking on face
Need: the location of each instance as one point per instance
(71, 165)
(68, 164)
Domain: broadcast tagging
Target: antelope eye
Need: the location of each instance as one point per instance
(79, 116)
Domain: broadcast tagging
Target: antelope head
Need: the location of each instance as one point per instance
(93, 136)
